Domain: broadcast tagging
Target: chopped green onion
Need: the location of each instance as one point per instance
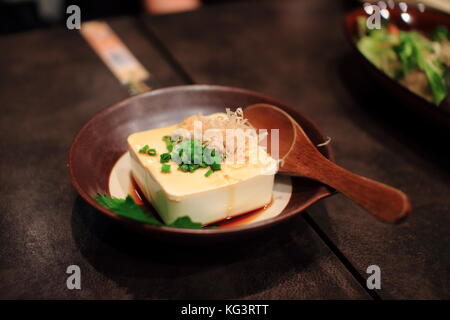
(189, 154)
(165, 168)
(208, 173)
(193, 167)
(165, 157)
(184, 167)
(151, 152)
(144, 149)
(169, 143)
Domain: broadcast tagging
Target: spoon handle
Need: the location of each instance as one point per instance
(385, 202)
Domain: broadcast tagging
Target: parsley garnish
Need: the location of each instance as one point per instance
(185, 222)
(129, 209)
(126, 208)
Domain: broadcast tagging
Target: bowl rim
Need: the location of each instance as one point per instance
(322, 192)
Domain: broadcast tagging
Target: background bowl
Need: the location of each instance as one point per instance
(101, 142)
(424, 22)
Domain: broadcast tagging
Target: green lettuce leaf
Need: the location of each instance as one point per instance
(378, 48)
(397, 54)
(440, 34)
(415, 52)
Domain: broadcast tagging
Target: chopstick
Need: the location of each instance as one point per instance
(117, 57)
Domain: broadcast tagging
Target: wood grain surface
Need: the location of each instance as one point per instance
(297, 51)
(46, 95)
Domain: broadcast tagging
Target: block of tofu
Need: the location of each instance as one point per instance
(228, 192)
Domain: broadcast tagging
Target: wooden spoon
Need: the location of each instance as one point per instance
(300, 157)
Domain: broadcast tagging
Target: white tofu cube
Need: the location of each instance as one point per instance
(228, 192)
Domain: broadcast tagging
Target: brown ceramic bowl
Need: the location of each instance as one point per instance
(102, 141)
(424, 22)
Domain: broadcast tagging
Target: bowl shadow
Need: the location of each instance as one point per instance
(151, 269)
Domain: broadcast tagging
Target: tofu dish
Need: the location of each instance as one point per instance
(207, 168)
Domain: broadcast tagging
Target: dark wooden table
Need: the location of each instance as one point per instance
(51, 83)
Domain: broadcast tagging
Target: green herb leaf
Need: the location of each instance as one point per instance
(129, 209)
(165, 168)
(126, 208)
(185, 222)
